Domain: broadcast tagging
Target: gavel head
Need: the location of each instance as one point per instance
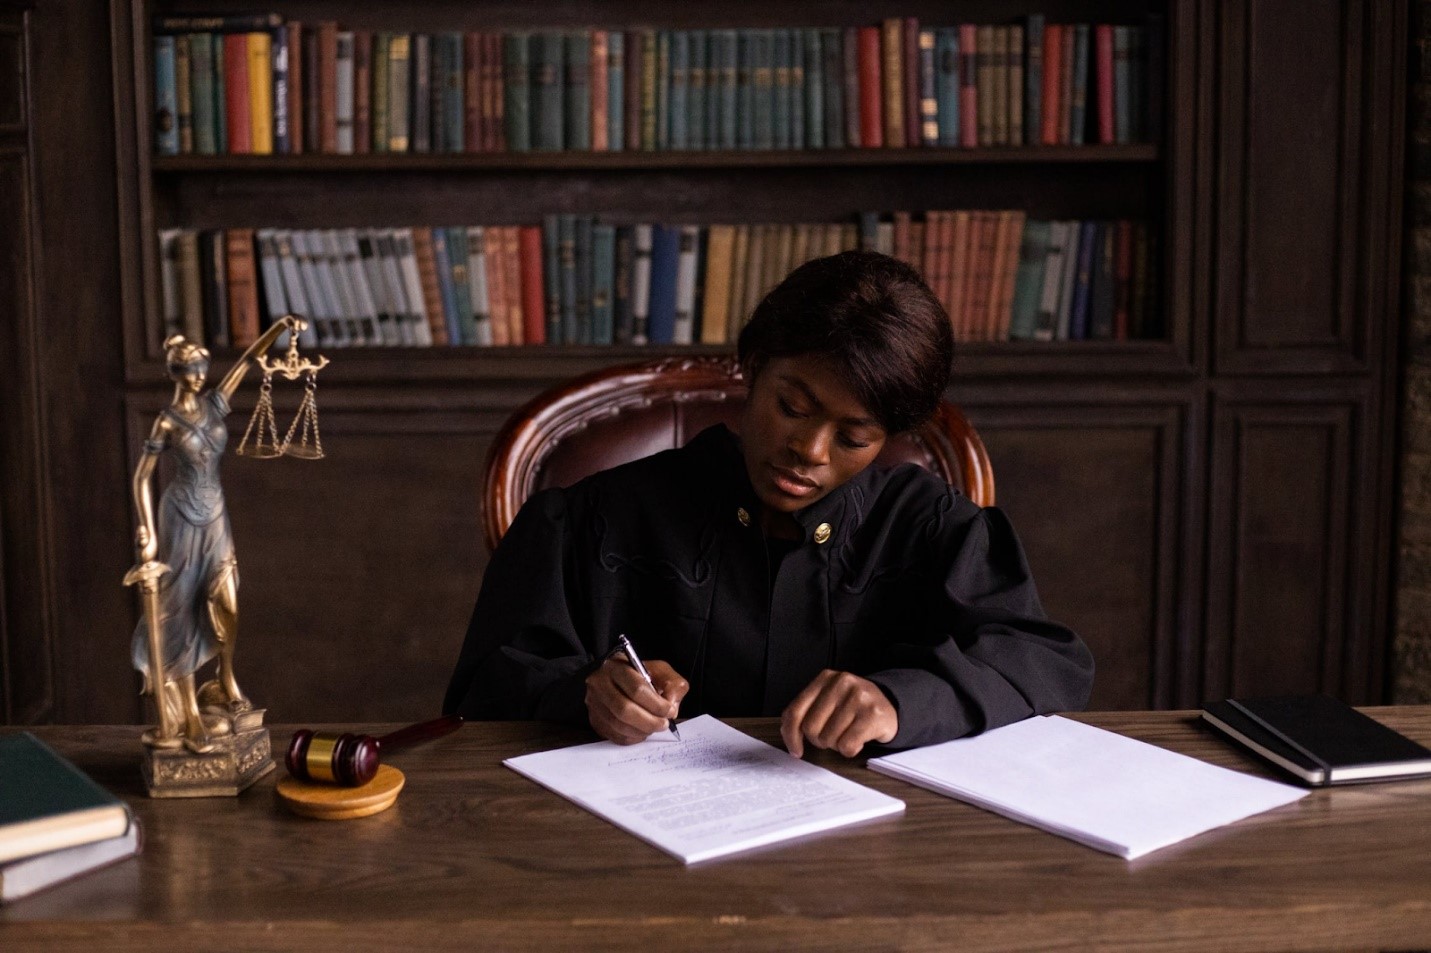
(345, 759)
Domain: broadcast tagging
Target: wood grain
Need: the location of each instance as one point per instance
(475, 857)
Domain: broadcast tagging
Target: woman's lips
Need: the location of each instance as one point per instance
(791, 483)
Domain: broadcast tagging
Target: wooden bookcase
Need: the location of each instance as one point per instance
(1148, 478)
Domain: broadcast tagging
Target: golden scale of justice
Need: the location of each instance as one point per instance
(211, 740)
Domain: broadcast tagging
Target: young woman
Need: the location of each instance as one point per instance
(776, 572)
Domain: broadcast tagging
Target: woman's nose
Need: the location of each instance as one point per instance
(811, 445)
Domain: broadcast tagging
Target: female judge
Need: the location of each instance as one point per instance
(775, 571)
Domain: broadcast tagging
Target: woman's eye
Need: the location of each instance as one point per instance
(853, 444)
(787, 409)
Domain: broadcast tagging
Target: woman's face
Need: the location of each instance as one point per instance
(804, 433)
(191, 376)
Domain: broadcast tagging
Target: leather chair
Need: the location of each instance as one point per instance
(620, 414)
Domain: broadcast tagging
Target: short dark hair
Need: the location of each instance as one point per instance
(874, 317)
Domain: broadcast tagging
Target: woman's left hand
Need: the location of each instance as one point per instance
(838, 710)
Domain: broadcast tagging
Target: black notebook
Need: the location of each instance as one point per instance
(1318, 739)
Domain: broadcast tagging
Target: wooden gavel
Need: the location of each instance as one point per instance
(350, 759)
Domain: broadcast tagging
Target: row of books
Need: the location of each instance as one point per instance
(255, 84)
(56, 823)
(576, 280)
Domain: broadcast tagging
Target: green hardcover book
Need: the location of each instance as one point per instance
(548, 124)
(797, 89)
(449, 117)
(814, 83)
(46, 803)
(551, 277)
(603, 278)
(780, 113)
(221, 128)
(201, 92)
(566, 264)
(698, 91)
(399, 81)
(577, 91)
(649, 69)
(184, 93)
(583, 279)
(1028, 281)
(762, 83)
(663, 90)
(677, 102)
(517, 90)
(381, 42)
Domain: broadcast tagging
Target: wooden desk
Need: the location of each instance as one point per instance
(475, 857)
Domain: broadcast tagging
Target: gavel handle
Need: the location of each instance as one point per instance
(423, 731)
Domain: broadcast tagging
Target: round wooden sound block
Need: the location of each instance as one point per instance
(329, 802)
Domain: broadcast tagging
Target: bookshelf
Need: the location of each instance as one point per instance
(1148, 478)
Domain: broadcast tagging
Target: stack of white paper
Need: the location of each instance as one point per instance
(1092, 786)
(714, 792)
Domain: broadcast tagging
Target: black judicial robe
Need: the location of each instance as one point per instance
(898, 578)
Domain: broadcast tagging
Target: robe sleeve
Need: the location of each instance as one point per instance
(523, 657)
(995, 658)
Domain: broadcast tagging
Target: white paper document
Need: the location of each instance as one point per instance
(714, 792)
(1096, 787)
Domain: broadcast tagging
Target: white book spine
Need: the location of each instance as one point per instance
(412, 283)
(641, 282)
(398, 329)
(344, 90)
(686, 285)
(477, 283)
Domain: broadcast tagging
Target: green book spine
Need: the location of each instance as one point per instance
(548, 57)
(762, 82)
(727, 66)
(517, 90)
(832, 53)
(459, 257)
(780, 111)
(551, 277)
(453, 137)
(615, 90)
(649, 67)
(814, 86)
(745, 90)
(699, 128)
(1028, 281)
(399, 82)
(577, 91)
(221, 128)
(584, 226)
(566, 262)
(680, 90)
(603, 277)
(663, 90)
(201, 81)
(381, 53)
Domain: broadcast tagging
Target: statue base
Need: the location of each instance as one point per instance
(236, 761)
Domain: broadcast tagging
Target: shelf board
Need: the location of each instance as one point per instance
(543, 161)
(1014, 360)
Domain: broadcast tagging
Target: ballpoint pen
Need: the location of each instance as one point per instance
(635, 661)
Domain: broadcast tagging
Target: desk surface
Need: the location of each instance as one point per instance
(473, 856)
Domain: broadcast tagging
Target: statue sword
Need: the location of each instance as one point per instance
(147, 576)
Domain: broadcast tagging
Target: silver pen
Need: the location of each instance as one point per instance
(635, 661)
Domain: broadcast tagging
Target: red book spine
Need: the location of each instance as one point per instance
(494, 136)
(1103, 74)
(242, 275)
(516, 291)
(1123, 279)
(913, 122)
(497, 286)
(1052, 70)
(294, 31)
(599, 92)
(236, 93)
(533, 287)
(968, 90)
(871, 92)
(472, 92)
(850, 66)
(328, 85)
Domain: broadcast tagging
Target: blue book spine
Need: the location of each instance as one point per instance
(552, 277)
(680, 89)
(780, 112)
(710, 116)
(221, 127)
(928, 90)
(1033, 79)
(583, 279)
(1078, 107)
(797, 89)
(281, 58)
(516, 91)
(166, 98)
(603, 276)
(1083, 282)
(578, 90)
(869, 231)
(450, 98)
(663, 90)
(665, 260)
(697, 91)
(745, 90)
(729, 45)
(548, 68)
(615, 90)
(461, 255)
(833, 53)
(946, 83)
(814, 90)
(443, 261)
(763, 83)
(201, 91)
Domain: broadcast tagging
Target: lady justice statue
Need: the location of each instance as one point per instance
(208, 740)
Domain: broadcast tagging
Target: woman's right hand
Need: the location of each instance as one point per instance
(623, 708)
(146, 545)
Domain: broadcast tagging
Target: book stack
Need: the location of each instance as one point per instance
(258, 84)
(577, 280)
(55, 822)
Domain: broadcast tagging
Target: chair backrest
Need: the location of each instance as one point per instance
(620, 414)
